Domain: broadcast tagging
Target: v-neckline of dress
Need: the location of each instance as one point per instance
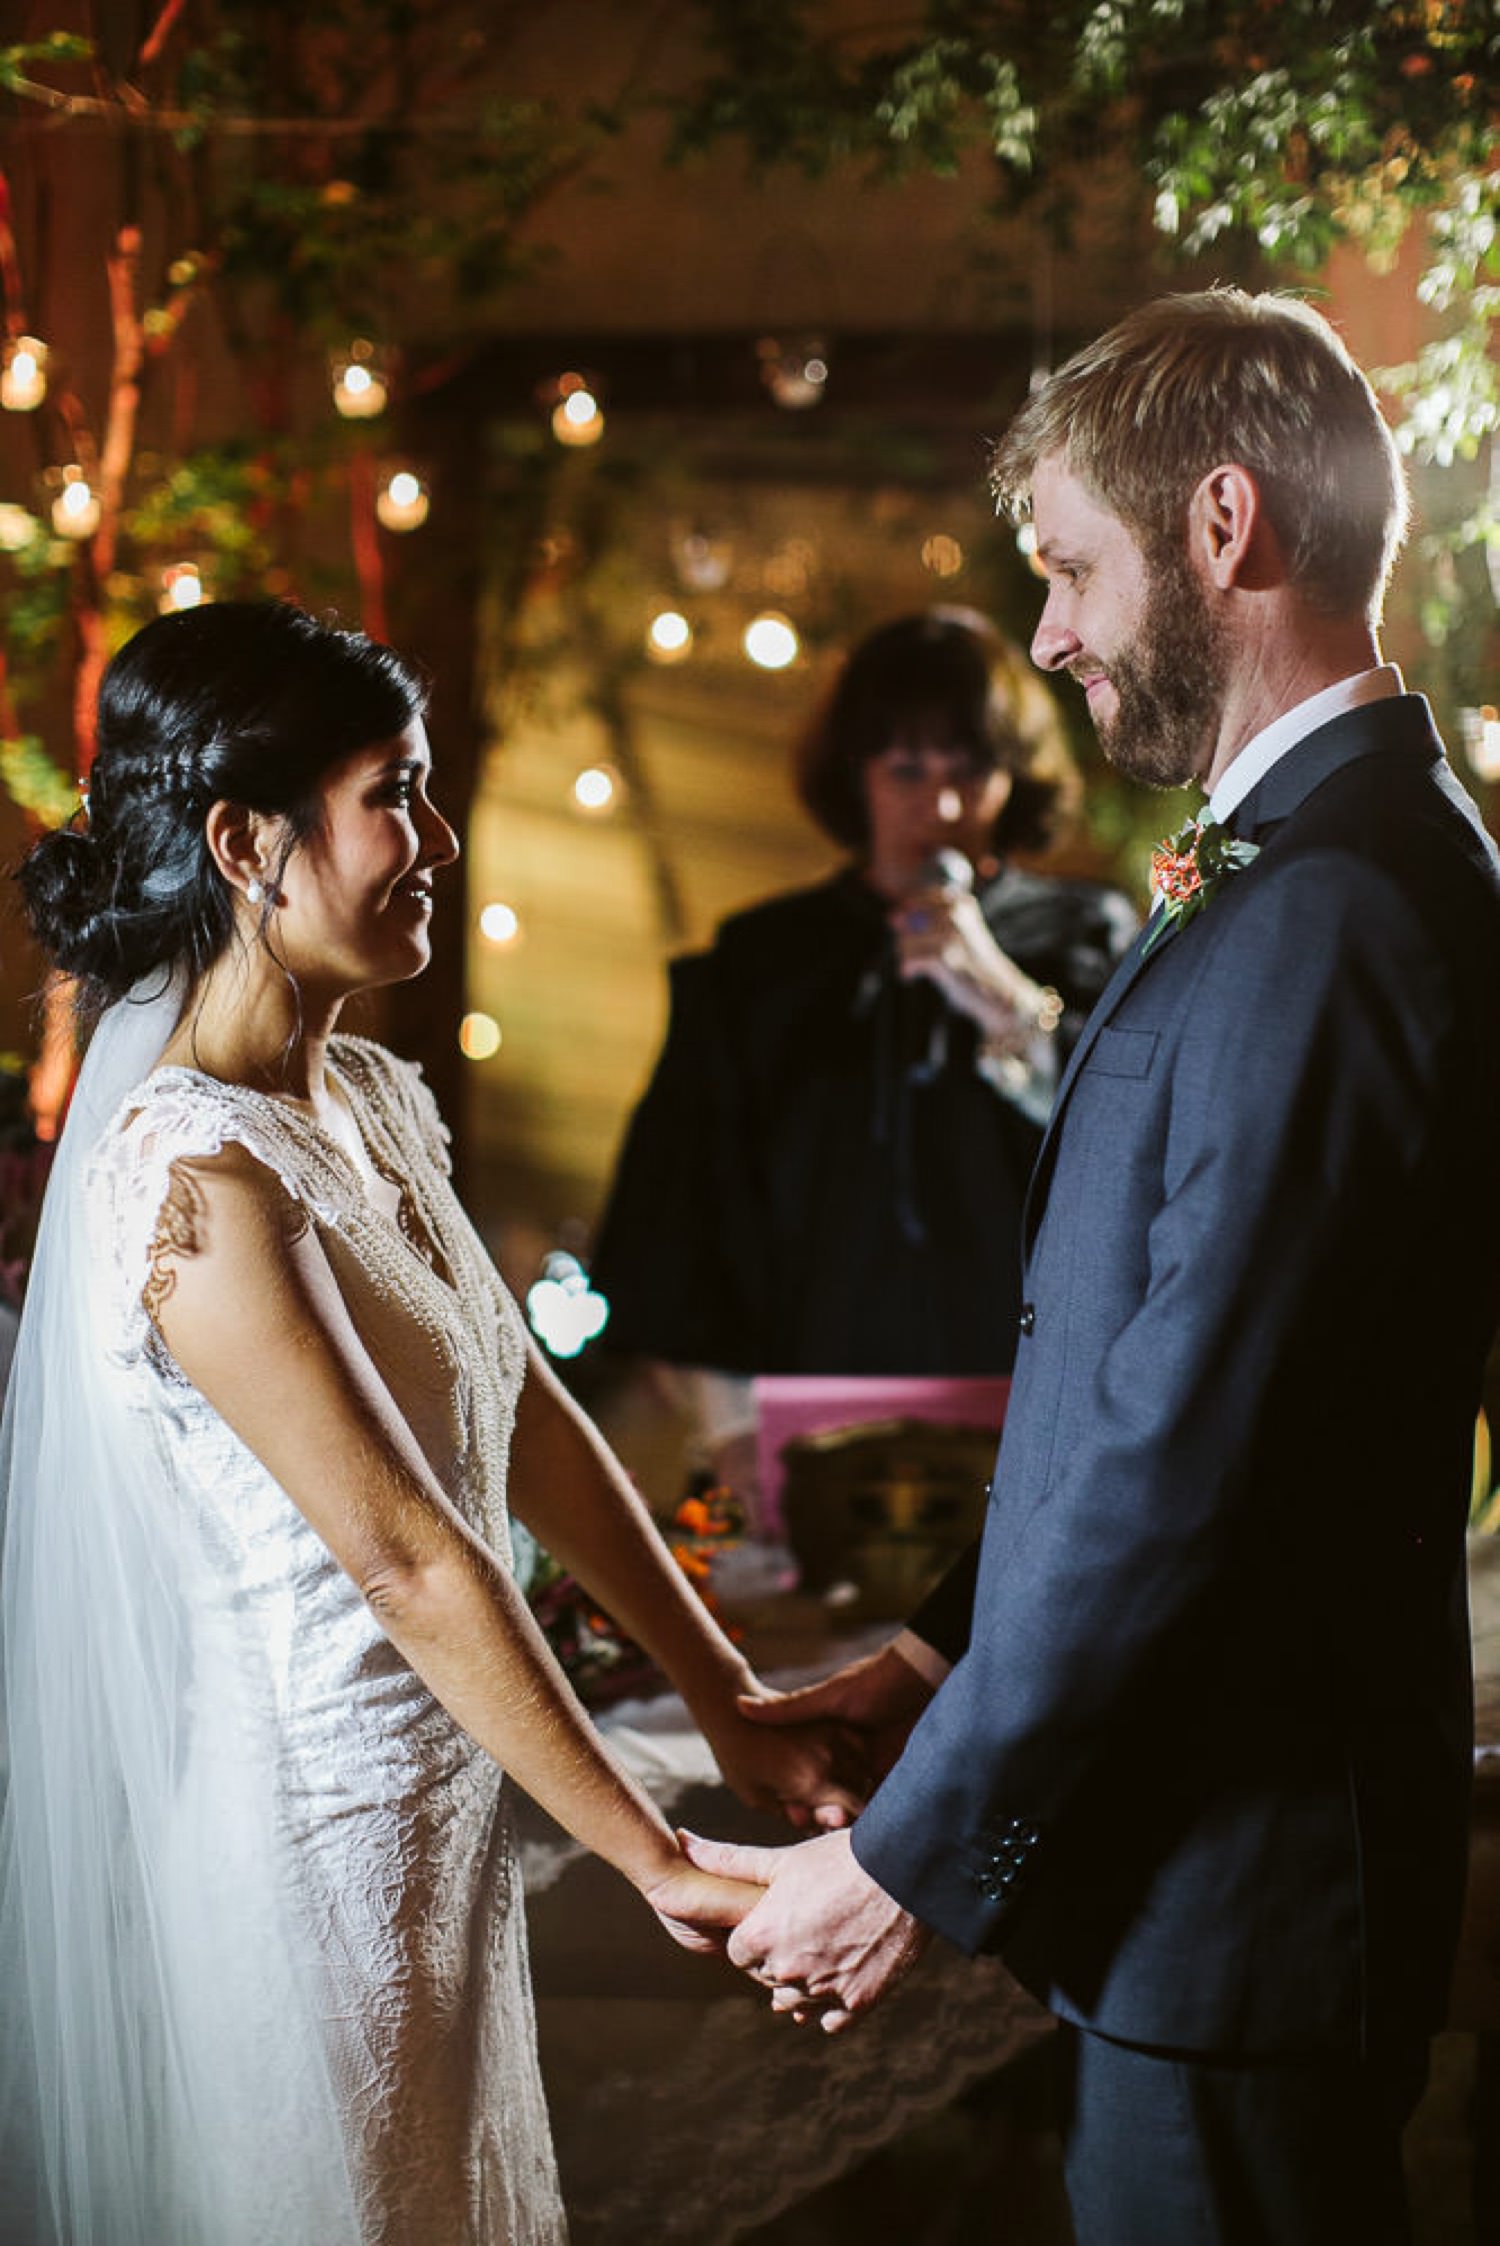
(411, 1230)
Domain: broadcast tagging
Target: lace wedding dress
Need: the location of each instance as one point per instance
(319, 2014)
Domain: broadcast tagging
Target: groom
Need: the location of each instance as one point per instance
(1197, 1760)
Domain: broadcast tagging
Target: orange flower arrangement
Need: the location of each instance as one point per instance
(599, 1660)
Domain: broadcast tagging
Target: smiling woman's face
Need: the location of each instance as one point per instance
(356, 896)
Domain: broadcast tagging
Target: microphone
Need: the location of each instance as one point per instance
(922, 1012)
(948, 872)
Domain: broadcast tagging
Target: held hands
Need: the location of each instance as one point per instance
(814, 1772)
(824, 1938)
(870, 1707)
(942, 934)
(698, 1908)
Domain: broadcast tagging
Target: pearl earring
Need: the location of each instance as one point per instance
(254, 893)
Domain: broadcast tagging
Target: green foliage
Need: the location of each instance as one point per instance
(17, 63)
(35, 783)
(215, 507)
(341, 168)
(1292, 129)
(361, 167)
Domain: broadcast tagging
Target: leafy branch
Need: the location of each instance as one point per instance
(1293, 128)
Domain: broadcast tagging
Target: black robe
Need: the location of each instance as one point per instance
(818, 1178)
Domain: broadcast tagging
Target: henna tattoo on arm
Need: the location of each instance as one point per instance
(179, 1232)
(182, 1224)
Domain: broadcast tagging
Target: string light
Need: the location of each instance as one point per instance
(360, 389)
(23, 374)
(17, 527)
(479, 1037)
(943, 555)
(402, 502)
(796, 373)
(578, 419)
(770, 640)
(181, 587)
(500, 924)
(1481, 732)
(578, 416)
(669, 636)
(594, 790)
(76, 509)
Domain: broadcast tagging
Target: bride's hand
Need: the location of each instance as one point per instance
(813, 1773)
(699, 1909)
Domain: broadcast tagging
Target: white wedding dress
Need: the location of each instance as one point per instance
(314, 2023)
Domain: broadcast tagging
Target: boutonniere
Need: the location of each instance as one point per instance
(1189, 867)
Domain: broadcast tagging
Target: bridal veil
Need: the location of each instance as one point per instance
(164, 2074)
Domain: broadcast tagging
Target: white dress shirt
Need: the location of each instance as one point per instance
(1267, 747)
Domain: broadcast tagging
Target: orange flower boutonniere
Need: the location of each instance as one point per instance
(1187, 869)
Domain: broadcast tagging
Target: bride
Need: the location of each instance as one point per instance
(261, 1931)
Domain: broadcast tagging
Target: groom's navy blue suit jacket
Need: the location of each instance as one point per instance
(1201, 1769)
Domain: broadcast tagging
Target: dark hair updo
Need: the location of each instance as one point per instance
(948, 676)
(245, 702)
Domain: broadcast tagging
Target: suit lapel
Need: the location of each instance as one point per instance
(1403, 724)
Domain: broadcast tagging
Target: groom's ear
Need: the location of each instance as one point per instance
(1230, 538)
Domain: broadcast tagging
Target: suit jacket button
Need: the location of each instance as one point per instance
(1027, 1319)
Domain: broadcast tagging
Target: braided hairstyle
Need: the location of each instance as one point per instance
(246, 702)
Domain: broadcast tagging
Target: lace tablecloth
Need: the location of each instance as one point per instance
(685, 2112)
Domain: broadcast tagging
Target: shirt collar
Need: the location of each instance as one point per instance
(1267, 747)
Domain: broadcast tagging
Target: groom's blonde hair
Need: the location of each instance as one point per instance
(1191, 383)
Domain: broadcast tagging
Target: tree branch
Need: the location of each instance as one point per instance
(160, 32)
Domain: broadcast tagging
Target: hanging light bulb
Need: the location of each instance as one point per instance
(669, 636)
(360, 388)
(181, 587)
(795, 372)
(594, 790)
(500, 923)
(402, 502)
(943, 555)
(23, 374)
(76, 509)
(1481, 736)
(479, 1037)
(577, 417)
(770, 640)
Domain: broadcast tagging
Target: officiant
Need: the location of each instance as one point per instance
(825, 1174)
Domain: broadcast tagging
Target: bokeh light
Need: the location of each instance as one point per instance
(771, 641)
(478, 1037)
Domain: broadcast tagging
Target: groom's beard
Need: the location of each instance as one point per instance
(1168, 683)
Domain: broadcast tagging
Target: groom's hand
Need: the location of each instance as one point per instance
(877, 1699)
(825, 1939)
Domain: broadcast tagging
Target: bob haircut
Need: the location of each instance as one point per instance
(1190, 383)
(946, 676)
